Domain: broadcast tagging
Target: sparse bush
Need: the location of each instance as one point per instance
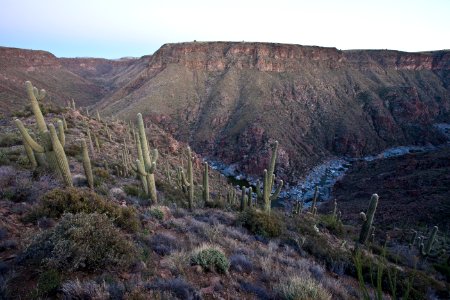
(132, 190)
(81, 242)
(74, 289)
(332, 224)
(261, 223)
(10, 139)
(58, 201)
(240, 263)
(177, 287)
(301, 288)
(210, 258)
(163, 243)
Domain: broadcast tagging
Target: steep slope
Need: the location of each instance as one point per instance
(231, 100)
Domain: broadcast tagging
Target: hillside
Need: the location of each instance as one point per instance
(110, 241)
(231, 100)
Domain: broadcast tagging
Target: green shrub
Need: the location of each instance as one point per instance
(10, 139)
(157, 214)
(210, 258)
(301, 288)
(48, 282)
(261, 223)
(88, 242)
(74, 200)
(332, 224)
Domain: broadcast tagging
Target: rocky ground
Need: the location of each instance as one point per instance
(112, 243)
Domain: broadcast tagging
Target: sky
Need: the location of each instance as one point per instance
(114, 29)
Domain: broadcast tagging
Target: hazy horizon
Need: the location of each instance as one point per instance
(115, 29)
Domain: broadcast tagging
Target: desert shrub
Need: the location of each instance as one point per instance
(59, 201)
(261, 223)
(132, 190)
(177, 287)
(157, 214)
(81, 242)
(100, 176)
(75, 289)
(48, 282)
(10, 139)
(240, 263)
(4, 159)
(23, 161)
(332, 224)
(163, 243)
(299, 288)
(210, 258)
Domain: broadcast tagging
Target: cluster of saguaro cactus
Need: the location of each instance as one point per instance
(187, 184)
(297, 208)
(427, 249)
(146, 162)
(269, 179)
(51, 143)
(367, 229)
(231, 196)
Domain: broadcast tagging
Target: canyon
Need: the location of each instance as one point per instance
(231, 100)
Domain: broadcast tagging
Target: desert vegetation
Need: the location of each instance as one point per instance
(101, 208)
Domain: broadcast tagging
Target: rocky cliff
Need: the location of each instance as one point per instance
(231, 100)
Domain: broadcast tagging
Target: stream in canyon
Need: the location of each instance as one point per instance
(326, 174)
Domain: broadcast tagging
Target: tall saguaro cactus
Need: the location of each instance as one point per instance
(367, 227)
(146, 162)
(50, 144)
(87, 164)
(187, 184)
(269, 180)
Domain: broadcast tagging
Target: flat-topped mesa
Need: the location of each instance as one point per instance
(16, 58)
(273, 57)
(217, 56)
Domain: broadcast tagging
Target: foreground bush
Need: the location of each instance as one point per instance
(81, 242)
(210, 258)
(72, 200)
(261, 223)
(301, 288)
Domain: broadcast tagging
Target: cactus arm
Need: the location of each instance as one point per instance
(64, 122)
(273, 158)
(35, 108)
(27, 138)
(258, 191)
(30, 155)
(87, 164)
(61, 158)
(140, 168)
(205, 184)
(61, 135)
(277, 191)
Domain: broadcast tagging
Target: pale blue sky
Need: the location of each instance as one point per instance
(113, 29)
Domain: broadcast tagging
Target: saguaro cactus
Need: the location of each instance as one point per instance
(314, 203)
(146, 164)
(87, 164)
(426, 250)
(205, 187)
(187, 184)
(367, 227)
(269, 179)
(50, 144)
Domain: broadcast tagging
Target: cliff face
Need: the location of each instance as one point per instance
(231, 100)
